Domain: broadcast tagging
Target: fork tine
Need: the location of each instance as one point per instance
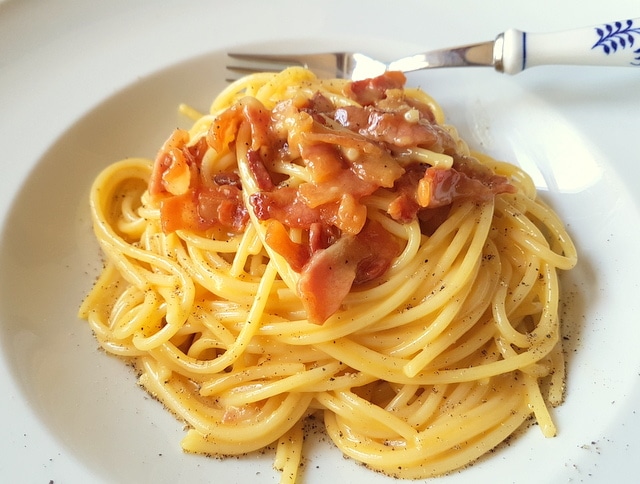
(252, 63)
(265, 62)
(252, 69)
(324, 65)
(270, 58)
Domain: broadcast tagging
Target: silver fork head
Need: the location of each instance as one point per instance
(346, 65)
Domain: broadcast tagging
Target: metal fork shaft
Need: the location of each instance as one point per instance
(481, 54)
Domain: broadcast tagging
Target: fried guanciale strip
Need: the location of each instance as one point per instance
(349, 153)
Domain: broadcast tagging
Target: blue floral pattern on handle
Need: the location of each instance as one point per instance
(618, 35)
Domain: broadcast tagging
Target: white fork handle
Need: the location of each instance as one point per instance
(609, 44)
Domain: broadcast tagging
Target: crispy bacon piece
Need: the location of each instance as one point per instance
(322, 236)
(186, 200)
(328, 276)
(424, 187)
(323, 160)
(204, 208)
(232, 179)
(405, 206)
(393, 128)
(368, 91)
(337, 202)
(472, 168)
(330, 204)
(175, 165)
(467, 179)
(285, 205)
(367, 159)
(225, 127)
(297, 255)
(380, 247)
(278, 239)
(222, 205)
(259, 170)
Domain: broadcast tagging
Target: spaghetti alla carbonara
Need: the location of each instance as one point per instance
(332, 249)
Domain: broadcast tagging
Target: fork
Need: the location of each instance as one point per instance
(608, 44)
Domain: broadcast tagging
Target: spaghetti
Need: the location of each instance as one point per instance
(332, 248)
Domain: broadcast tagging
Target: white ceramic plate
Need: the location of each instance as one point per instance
(83, 84)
